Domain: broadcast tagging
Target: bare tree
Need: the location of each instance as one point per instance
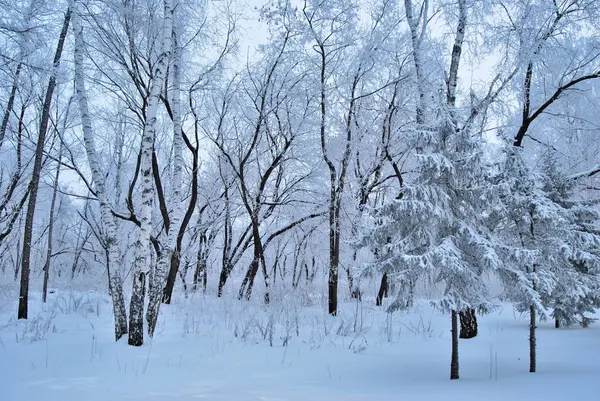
(330, 30)
(37, 170)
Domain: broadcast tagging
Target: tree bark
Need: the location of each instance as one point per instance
(136, 310)
(468, 323)
(11, 102)
(36, 173)
(532, 340)
(226, 267)
(258, 260)
(454, 360)
(383, 290)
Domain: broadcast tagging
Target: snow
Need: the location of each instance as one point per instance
(218, 349)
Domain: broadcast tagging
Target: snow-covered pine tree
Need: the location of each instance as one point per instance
(577, 289)
(531, 232)
(435, 230)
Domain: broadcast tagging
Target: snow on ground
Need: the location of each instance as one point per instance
(219, 349)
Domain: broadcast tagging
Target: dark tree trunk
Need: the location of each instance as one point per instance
(257, 261)
(454, 361)
(176, 257)
(9, 105)
(468, 323)
(249, 277)
(532, 354)
(334, 254)
(227, 240)
(532, 341)
(557, 323)
(172, 276)
(383, 290)
(18, 259)
(36, 173)
(225, 271)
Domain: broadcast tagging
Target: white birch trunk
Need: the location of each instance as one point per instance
(119, 143)
(107, 219)
(164, 262)
(417, 41)
(141, 265)
(456, 53)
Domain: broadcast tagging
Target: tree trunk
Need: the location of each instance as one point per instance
(248, 281)
(51, 226)
(200, 274)
(147, 189)
(532, 353)
(257, 261)
(226, 267)
(416, 40)
(383, 290)
(18, 258)
(107, 220)
(454, 361)
(136, 310)
(468, 323)
(332, 283)
(334, 254)
(37, 170)
(170, 256)
(9, 105)
(175, 261)
(176, 255)
(355, 292)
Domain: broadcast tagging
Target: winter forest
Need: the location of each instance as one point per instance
(299, 199)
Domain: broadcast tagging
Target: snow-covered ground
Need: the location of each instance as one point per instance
(219, 349)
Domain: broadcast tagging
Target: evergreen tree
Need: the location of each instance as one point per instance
(577, 289)
(435, 230)
(533, 238)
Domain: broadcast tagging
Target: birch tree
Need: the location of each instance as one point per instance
(141, 266)
(109, 238)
